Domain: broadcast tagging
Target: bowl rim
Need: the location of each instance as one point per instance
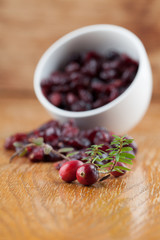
(78, 32)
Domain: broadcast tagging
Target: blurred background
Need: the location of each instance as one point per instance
(28, 28)
(30, 208)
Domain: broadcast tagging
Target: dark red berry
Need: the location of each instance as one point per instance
(37, 154)
(18, 137)
(56, 99)
(118, 174)
(59, 164)
(87, 174)
(71, 98)
(89, 80)
(68, 170)
(72, 67)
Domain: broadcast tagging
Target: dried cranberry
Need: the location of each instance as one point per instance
(56, 99)
(59, 164)
(37, 154)
(72, 67)
(89, 80)
(71, 98)
(85, 95)
(111, 55)
(18, 137)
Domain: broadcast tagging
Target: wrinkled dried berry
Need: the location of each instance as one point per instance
(89, 80)
(63, 135)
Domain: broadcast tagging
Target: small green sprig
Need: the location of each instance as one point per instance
(39, 142)
(119, 153)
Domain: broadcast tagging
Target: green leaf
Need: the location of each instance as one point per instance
(47, 149)
(95, 159)
(115, 143)
(73, 153)
(101, 159)
(99, 153)
(129, 140)
(18, 144)
(106, 165)
(125, 160)
(112, 153)
(64, 150)
(117, 170)
(23, 153)
(126, 149)
(127, 155)
(88, 152)
(85, 158)
(123, 137)
(37, 141)
(116, 137)
(117, 157)
(97, 146)
(121, 168)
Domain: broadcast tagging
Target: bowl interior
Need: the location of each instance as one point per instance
(98, 40)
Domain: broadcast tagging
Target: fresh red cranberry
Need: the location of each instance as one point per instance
(118, 174)
(87, 174)
(68, 170)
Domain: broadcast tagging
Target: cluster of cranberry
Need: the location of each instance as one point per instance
(89, 81)
(86, 174)
(65, 135)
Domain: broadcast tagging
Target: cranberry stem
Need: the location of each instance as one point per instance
(43, 146)
(114, 164)
(104, 178)
(20, 151)
(60, 154)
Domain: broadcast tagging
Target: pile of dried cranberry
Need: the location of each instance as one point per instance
(62, 135)
(89, 81)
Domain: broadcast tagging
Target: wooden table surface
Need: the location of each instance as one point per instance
(34, 202)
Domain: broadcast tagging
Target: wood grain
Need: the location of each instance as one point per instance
(36, 204)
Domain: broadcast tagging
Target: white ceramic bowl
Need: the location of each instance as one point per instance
(123, 113)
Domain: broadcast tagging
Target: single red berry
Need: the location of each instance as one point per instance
(18, 137)
(56, 99)
(68, 170)
(118, 174)
(87, 174)
(37, 154)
